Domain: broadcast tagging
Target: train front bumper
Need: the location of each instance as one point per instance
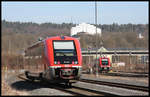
(63, 73)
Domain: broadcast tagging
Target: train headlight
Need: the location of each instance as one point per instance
(75, 62)
(55, 62)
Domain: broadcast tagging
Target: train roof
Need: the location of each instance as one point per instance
(61, 38)
(39, 43)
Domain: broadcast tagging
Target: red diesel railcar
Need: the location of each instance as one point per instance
(104, 64)
(61, 59)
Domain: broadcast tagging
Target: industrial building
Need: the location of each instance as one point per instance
(84, 27)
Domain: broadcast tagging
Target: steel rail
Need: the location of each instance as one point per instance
(120, 85)
(77, 91)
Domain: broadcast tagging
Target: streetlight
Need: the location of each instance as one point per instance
(96, 37)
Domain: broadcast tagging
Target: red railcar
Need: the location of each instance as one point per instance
(61, 59)
(104, 64)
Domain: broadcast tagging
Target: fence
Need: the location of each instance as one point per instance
(129, 63)
(132, 63)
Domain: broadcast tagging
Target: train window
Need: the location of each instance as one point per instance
(104, 61)
(63, 45)
(37, 51)
(64, 52)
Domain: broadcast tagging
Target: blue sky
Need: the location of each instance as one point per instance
(76, 12)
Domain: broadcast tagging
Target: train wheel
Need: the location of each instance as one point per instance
(26, 73)
(67, 84)
(32, 79)
(41, 76)
(70, 84)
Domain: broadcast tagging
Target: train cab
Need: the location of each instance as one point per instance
(104, 64)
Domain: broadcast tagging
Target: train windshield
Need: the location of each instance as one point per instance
(104, 61)
(64, 52)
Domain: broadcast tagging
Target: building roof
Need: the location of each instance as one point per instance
(113, 49)
(84, 27)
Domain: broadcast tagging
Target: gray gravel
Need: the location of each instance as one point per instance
(113, 90)
(130, 82)
(36, 89)
(32, 88)
(48, 92)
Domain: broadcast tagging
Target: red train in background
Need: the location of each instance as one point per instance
(104, 64)
(61, 59)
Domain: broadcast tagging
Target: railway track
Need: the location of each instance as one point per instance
(74, 90)
(123, 74)
(120, 85)
(81, 91)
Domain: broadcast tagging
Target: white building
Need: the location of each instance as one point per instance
(140, 36)
(83, 27)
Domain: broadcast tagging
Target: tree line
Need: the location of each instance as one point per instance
(18, 35)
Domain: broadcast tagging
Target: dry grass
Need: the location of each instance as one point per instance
(6, 90)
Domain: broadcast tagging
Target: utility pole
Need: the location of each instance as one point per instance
(90, 66)
(9, 47)
(96, 38)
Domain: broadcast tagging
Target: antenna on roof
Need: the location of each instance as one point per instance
(62, 36)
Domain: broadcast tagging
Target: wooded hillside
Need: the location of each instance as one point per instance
(17, 35)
